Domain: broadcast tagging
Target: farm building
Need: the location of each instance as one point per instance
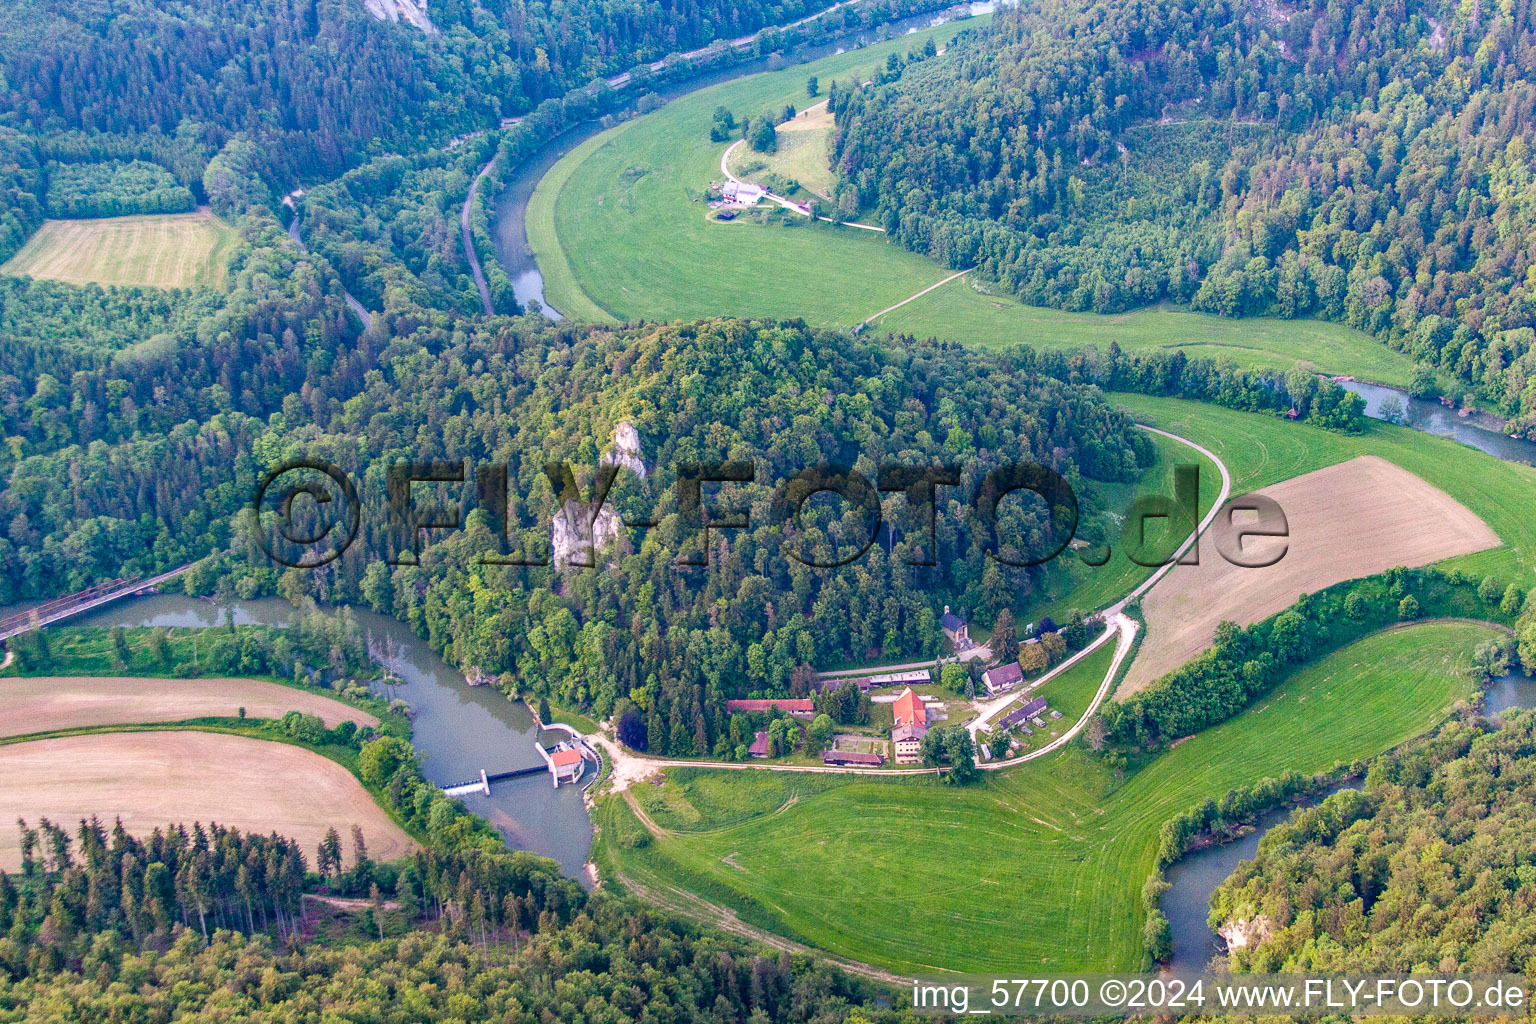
(741, 193)
(907, 741)
(759, 747)
(911, 725)
(799, 707)
(1003, 678)
(898, 678)
(909, 709)
(851, 757)
(955, 628)
(1022, 713)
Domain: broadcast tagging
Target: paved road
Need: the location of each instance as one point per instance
(630, 767)
(351, 300)
(469, 248)
(1119, 622)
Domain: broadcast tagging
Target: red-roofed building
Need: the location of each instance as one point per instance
(799, 707)
(911, 725)
(565, 764)
(909, 709)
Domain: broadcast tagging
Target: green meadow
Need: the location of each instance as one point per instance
(620, 232)
(977, 313)
(1039, 867)
(1260, 450)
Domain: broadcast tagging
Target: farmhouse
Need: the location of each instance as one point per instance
(740, 192)
(1003, 678)
(851, 757)
(1022, 713)
(759, 747)
(798, 707)
(907, 741)
(911, 725)
(955, 628)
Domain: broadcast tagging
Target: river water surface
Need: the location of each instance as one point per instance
(1195, 876)
(458, 729)
(510, 229)
(1434, 418)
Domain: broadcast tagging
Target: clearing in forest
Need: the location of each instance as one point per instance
(164, 250)
(1350, 520)
(48, 703)
(154, 779)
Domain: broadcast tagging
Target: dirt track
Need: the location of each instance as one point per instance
(152, 779)
(1354, 519)
(48, 703)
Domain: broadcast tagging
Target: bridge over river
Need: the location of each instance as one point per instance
(92, 597)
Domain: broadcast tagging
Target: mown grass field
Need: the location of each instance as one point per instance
(1260, 450)
(801, 155)
(1037, 868)
(172, 250)
(962, 312)
(623, 212)
(620, 233)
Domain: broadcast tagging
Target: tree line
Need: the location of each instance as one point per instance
(1244, 663)
(1426, 865)
(114, 189)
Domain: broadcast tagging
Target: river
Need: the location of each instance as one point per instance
(1196, 875)
(1434, 418)
(510, 228)
(458, 729)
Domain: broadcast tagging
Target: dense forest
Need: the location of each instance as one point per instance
(674, 639)
(1368, 163)
(204, 920)
(320, 84)
(116, 471)
(1427, 868)
(114, 189)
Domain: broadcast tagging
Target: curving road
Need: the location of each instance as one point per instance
(1119, 622)
(293, 233)
(469, 248)
(629, 767)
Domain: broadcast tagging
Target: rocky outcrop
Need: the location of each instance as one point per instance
(625, 450)
(578, 538)
(1242, 933)
(412, 11)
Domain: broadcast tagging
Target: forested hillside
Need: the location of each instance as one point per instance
(1365, 162)
(323, 82)
(1427, 869)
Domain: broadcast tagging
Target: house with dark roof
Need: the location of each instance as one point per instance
(851, 757)
(1022, 713)
(1003, 678)
(799, 707)
(907, 742)
(759, 747)
(955, 628)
